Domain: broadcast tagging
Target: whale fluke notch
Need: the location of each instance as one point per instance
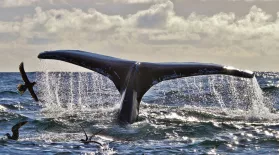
(133, 79)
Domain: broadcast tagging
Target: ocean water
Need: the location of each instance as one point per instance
(195, 115)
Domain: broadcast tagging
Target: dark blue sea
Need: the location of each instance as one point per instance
(194, 115)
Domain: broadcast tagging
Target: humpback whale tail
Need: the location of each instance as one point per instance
(133, 79)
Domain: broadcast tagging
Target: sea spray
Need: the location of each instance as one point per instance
(218, 96)
(233, 96)
(71, 91)
(234, 92)
(261, 106)
(89, 91)
(80, 88)
(77, 92)
(57, 90)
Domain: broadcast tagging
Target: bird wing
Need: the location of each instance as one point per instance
(96, 134)
(33, 94)
(23, 74)
(84, 133)
(18, 125)
(95, 142)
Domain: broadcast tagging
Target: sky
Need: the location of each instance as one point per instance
(239, 33)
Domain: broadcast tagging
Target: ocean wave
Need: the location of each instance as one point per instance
(8, 116)
(270, 87)
(8, 93)
(13, 106)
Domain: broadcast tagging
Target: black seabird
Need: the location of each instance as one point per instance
(15, 131)
(88, 140)
(27, 84)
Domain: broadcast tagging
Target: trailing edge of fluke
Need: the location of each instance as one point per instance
(133, 79)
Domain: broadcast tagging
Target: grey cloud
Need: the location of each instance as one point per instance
(251, 36)
(159, 22)
(139, 1)
(212, 7)
(39, 41)
(155, 17)
(7, 37)
(17, 3)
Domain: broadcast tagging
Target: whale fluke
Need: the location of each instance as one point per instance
(133, 79)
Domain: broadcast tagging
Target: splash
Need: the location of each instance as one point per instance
(94, 94)
(77, 93)
(261, 106)
(216, 94)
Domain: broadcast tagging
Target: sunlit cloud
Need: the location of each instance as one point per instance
(157, 30)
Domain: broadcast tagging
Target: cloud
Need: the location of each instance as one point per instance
(155, 17)
(17, 3)
(159, 22)
(139, 1)
(253, 0)
(156, 32)
(9, 27)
